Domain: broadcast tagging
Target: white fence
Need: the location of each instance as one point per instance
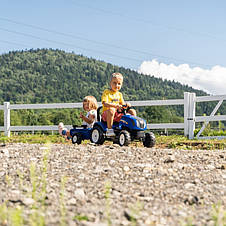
(188, 125)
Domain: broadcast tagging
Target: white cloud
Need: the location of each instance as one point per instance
(212, 81)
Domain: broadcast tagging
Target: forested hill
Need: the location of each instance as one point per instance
(51, 76)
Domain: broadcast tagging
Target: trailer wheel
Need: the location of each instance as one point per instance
(76, 138)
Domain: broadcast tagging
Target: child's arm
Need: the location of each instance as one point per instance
(90, 119)
(111, 105)
(128, 104)
(123, 103)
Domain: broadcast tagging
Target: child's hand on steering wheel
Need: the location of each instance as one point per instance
(128, 105)
(120, 108)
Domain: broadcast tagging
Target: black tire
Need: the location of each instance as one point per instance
(97, 135)
(124, 138)
(76, 138)
(149, 140)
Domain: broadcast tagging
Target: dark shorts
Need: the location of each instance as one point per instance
(117, 116)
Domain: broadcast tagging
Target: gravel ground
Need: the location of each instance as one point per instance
(115, 185)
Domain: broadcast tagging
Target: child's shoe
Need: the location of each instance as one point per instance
(62, 129)
(110, 133)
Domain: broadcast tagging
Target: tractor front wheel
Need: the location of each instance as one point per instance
(124, 138)
(149, 140)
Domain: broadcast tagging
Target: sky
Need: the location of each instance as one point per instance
(184, 41)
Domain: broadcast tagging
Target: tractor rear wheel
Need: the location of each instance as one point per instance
(97, 135)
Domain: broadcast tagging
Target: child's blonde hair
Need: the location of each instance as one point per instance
(92, 102)
(117, 75)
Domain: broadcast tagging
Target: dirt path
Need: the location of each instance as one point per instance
(111, 184)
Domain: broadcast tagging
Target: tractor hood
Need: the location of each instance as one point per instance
(133, 122)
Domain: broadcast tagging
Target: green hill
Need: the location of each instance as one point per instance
(49, 76)
(54, 76)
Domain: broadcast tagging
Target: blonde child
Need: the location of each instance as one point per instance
(90, 106)
(112, 100)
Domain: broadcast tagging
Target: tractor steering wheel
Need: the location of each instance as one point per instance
(124, 109)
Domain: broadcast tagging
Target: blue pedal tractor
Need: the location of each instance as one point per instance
(129, 128)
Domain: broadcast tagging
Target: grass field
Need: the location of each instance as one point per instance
(162, 141)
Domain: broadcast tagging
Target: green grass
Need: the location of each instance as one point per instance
(33, 139)
(211, 132)
(62, 202)
(3, 214)
(172, 142)
(16, 218)
(135, 210)
(218, 215)
(81, 218)
(181, 142)
(107, 195)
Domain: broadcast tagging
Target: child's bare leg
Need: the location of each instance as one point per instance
(132, 112)
(68, 134)
(110, 117)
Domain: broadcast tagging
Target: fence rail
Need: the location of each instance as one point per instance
(45, 106)
(189, 103)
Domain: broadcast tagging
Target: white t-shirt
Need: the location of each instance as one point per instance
(91, 112)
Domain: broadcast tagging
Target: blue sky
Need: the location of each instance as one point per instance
(177, 40)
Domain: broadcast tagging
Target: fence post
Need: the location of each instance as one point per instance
(186, 109)
(191, 115)
(7, 118)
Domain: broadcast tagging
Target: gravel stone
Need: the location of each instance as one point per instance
(108, 183)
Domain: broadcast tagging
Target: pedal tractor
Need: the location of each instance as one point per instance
(129, 128)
